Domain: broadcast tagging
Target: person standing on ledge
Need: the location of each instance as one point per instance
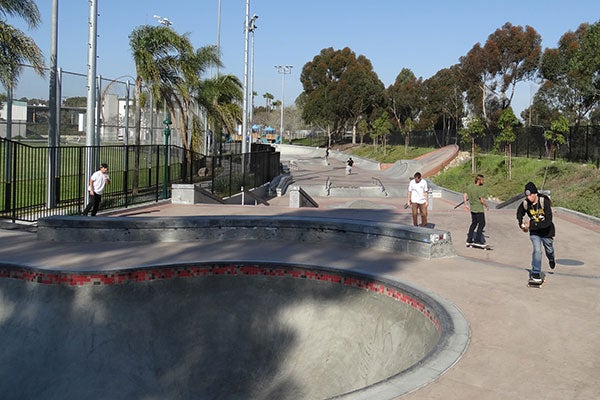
(417, 198)
(474, 199)
(537, 207)
(98, 182)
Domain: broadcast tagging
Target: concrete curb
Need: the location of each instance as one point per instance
(420, 242)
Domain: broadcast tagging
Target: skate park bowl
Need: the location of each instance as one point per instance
(227, 330)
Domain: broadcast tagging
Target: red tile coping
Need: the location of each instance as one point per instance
(207, 270)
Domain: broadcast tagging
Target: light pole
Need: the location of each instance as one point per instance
(91, 93)
(245, 86)
(167, 123)
(283, 70)
(163, 20)
(252, 27)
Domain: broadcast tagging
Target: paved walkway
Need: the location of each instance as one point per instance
(526, 343)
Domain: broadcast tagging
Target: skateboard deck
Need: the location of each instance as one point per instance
(533, 284)
(480, 246)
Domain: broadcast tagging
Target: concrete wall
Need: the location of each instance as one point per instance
(420, 242)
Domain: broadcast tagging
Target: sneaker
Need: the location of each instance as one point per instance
(535, 277)
(552, 264)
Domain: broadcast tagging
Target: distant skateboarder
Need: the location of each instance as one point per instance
(349, 165)
(98, 182)
(474, 200)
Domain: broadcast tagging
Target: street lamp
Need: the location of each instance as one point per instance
(252, 27)
(163, 20)
(283, 70)
(245, 85)
(167, 123)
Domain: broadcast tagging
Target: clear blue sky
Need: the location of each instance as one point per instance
(424, 36)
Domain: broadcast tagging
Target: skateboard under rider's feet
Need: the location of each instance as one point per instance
(480, 246)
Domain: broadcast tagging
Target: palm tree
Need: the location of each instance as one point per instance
(268, 98)
(182, 94)
(16, 48)
(156, 52)
(221, 98)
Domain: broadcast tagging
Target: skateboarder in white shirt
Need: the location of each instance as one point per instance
(417, 198)
(98, 182)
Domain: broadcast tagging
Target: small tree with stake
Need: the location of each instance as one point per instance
(556, 135)
(507, 124)
(473, 129)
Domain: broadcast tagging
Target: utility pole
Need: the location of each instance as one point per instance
(283, 70)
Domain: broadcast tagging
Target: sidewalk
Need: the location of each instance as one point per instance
(525, 344)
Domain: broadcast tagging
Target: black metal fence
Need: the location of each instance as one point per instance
(582, 143)
(29, 190)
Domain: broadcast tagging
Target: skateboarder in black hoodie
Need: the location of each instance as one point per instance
(537, 207)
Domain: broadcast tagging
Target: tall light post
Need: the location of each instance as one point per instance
(54, 111)
(163, 20)
(167, 131)
(283, 70)
(91, 94)
(245, 86)
(252, 27)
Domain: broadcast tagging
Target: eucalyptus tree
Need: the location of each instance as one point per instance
(339, 89)
(571, 74)
(404, 98)
(16, 48)
(381, 130)
(156, 52)
(510, 55)
(443, 103)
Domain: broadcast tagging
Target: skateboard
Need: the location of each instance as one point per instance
(480, 246)
(536, 285)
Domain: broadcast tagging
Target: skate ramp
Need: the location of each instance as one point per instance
(220, 331)
(403, 170)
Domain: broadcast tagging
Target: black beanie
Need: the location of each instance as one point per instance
(530, 188)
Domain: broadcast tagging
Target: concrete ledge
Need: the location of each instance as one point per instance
(299, 198)
(188, 193)
(420, 242)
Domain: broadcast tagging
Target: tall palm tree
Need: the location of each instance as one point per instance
(221, 98)
(182, 95)
(268, 99)
(156, 52)
(16, 48)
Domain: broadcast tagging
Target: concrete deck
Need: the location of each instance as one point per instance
(525, 344)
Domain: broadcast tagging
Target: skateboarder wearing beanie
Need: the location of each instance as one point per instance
(538, 208)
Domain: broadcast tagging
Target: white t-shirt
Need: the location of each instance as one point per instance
(99, 181)
(418, 191)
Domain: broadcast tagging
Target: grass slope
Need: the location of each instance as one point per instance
(573, 186)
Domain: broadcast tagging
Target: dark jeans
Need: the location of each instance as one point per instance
(93, 205)
(475, 233)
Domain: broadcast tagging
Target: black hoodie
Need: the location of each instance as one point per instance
(540, 219)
